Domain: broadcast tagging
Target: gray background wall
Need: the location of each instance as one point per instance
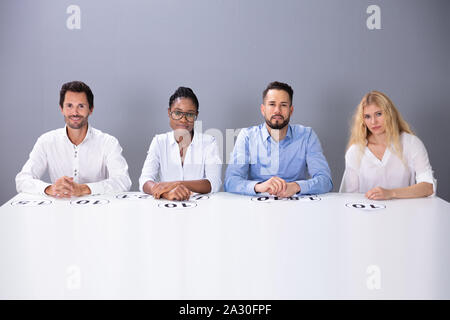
(134, 54)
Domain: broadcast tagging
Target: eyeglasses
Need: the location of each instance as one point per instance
(177, 115)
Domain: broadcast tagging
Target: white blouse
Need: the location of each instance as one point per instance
(364, 171)
(201, 160)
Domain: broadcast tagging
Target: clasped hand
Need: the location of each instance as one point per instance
(278, 187)
(174, 190)
(65, 187)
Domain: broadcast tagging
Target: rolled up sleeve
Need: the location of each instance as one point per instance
(421, 163)
(350, 179)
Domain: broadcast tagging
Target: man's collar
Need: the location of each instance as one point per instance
(88, 133)
(289, 132)
(265, 132)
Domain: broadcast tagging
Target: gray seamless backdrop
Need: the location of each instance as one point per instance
(134, 54)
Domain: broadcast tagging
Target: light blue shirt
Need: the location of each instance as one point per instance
(257, 157)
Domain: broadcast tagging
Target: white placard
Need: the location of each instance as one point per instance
(179, 205)
(305, 198)
(366, 206)
(198, 197)
(293, 198)
(89, 202)
(31, 203)
(133, 196)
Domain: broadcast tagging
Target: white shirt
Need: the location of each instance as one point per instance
(96, 162)
(365, 171)
(201, 161)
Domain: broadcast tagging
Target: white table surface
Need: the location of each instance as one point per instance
(224, 247)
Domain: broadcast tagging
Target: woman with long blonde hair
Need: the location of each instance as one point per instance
(384, 159)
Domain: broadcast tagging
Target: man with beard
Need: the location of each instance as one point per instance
(276, 157)
(80, 160)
